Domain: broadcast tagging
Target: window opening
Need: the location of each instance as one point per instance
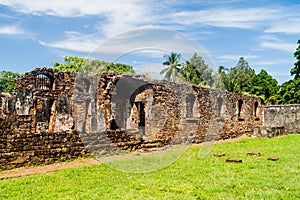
(240, 104)
(219, 104)
(190, 100)
(255, 108)
(43, 82)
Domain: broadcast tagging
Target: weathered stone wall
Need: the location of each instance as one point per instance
(57, 116)
(17, 149)
(281, 119)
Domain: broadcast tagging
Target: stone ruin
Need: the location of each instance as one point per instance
(280, 120)
(56, 116)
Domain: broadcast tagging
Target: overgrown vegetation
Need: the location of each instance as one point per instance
(238, 79)
(87, 66)
(190, 177)
(8, 80)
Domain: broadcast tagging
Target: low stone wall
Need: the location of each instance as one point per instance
(281, 119)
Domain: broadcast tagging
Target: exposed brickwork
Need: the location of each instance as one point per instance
(57, 116)
(17, 149)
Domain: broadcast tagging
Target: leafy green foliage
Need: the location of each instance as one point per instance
(265, 86)
(242, 79)
(72, 64)
(197, 72)
(296, 70)
(238, 79)
(172, 71)
(191, 74)
(119, 68)
(86, 66)
(219, 78)
(289, 92)
(8, 80)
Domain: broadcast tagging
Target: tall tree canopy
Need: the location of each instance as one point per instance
(242, 79)
(119, 68)
(172, 70)
(197, 72)
(296, 70)
(72, 64)
(190, 74)
(289, 92)
(238, 79)
(265, 86)
(87, 66)
(8, 80)
(219, 78)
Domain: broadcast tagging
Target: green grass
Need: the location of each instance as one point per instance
(189, 177)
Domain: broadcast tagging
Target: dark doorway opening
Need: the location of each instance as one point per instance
(142, 115)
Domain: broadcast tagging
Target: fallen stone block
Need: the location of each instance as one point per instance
(233, 160)
(273, 159)
(219, 155)
(253, 154)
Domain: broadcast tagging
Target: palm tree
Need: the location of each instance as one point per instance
(173, 66)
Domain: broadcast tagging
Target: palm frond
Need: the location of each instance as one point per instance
(164, 70)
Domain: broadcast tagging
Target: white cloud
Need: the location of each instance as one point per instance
(270, 38)
(73, 33)
(227, 17)
(289, 47)
(155, 53)
(225, 58)
(288, 26)
(149, 40)
(64, 8)
(75, 42)
(11, 30)
(285, 62)
(123, 15)
(153, 69)
(118, 15)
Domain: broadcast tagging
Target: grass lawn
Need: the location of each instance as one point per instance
(189, 177)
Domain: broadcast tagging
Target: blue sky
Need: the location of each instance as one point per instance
(37, 33)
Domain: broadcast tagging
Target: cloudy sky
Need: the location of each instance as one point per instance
(37, 33)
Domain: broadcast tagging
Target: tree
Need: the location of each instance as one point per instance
(219, 78)
(204, 71)
(72, 64)
(197, 72)
(238, 79)
(289, 92)
(265, 86)
(119, 68)
(190, 74)
(8, 80)
(87, 66)
(296, 70)
(173, 68)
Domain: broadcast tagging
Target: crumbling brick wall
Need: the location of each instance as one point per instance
(56, 115)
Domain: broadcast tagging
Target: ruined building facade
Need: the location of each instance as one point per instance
(57, 116)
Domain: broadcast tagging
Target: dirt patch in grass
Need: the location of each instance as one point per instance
(26, 171)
